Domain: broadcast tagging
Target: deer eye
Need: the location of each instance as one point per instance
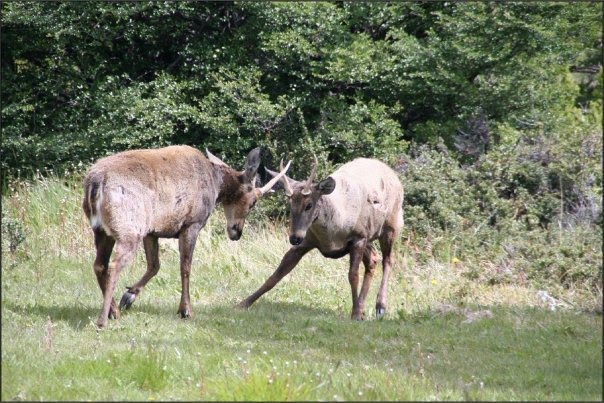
(308, 207)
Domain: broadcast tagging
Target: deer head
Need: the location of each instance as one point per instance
(239, 194)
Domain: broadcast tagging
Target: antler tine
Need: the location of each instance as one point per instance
(214, 158)
(313, 172)
(311, 178)
(281, 174)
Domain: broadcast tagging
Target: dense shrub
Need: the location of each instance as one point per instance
(533, 209)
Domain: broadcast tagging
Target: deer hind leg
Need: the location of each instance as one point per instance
(386, 241)
(370, 258)
(151, 245)
(186, 246)
(356, 256)
(124, 253)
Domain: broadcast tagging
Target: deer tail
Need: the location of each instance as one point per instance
(92, 201)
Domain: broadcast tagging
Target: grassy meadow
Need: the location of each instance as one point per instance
(444, 337)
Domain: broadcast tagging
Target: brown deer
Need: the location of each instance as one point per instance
(143, 195)
(341, 215)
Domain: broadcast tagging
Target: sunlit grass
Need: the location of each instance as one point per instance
(445, 337)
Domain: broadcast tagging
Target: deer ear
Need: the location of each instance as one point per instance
(251, 165)
(326, 186)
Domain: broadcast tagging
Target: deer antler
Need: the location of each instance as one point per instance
(272, 182)
(311, 178)
(286, 185)
(214, 158)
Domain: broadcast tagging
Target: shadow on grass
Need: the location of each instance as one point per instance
(291, 324)
(262, 315)
(78, 316)
(75, 315)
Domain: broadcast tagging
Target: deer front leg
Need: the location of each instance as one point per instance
(151, 245)
(289, 261)
(186, 245)
(370, 258)
(356, 255)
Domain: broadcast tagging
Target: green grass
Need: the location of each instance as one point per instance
(295, 343)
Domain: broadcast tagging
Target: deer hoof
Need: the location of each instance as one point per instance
(184, 313)
(380, 311)
(127, 300)
(357, 316)
(243, 305)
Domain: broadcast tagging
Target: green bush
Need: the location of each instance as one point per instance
(533, 209)
(12, 232)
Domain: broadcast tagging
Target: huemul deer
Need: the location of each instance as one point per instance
(341, 215)
(143, 195)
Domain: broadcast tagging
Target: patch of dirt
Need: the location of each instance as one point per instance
(470, 315)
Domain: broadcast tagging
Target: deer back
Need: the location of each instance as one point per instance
(367, 195)
(150, 191)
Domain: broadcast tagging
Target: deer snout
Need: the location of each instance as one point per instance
(295, 240)
(234, 232)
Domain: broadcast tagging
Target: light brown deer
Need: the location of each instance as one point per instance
(341, 215)
(143, 195)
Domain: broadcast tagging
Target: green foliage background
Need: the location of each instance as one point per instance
(491, 112)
